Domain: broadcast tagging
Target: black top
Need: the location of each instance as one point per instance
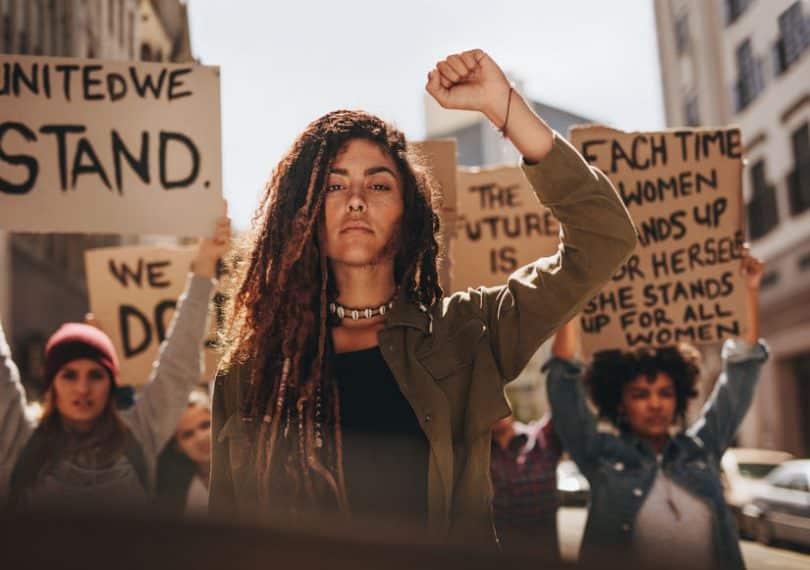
(385, 451)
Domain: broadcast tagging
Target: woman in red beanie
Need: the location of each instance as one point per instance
(84, 453)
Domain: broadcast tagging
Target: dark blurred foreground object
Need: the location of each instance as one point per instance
(68, 542)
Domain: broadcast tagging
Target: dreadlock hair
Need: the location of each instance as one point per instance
(611, 370)
(278, 308)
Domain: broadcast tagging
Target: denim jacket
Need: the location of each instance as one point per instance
(621, 469)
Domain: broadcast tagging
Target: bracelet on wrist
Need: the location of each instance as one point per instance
(508, 108)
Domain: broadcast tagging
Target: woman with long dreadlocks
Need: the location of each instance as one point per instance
(350, 383)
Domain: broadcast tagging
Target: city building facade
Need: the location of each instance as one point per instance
(747, 63)
(42, 280)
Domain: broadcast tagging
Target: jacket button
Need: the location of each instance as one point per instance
(428, 417)
(626, 527)
(637, 492)
(618, 466)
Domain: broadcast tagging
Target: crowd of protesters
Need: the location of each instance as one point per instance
(352, 385)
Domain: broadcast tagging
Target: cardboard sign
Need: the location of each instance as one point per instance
(133, 295)
(440, 156)
(501, 226)
(109, 146)
(683, 283)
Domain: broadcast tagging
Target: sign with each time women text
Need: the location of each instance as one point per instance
(683, 282)
(109, 146)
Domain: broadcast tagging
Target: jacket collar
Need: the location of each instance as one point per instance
(674, 445)
(406, 313)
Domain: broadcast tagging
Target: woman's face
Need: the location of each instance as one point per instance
(81, 389)
(194, 434)
(649, 407)
(364, 205)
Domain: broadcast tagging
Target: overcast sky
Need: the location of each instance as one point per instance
(286, 63)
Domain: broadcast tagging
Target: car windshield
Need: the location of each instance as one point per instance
(755, 470)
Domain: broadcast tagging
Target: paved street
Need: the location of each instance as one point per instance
(571, 523)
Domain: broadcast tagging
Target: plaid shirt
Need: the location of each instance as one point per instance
(524, 478)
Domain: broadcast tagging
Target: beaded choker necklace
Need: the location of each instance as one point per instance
(357, 314)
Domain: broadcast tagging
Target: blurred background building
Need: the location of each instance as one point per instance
(42, 280)
(478, 143)
(747, 62)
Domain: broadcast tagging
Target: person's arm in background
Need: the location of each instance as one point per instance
(179, 366)
(733, 393)
(573, 421)
(15, 426)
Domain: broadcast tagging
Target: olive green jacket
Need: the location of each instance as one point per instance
(452, 361)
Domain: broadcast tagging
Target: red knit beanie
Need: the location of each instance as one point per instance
(74, 341)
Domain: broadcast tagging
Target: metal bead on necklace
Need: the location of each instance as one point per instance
(357, 314)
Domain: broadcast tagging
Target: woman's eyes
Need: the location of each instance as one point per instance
(380, 186)
(96, 375)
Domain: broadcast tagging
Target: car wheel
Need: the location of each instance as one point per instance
(764, 531)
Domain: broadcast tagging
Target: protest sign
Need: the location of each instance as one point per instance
(440, 158)
(133, 295)
(109, 146)
(501, 226)
(682, 283)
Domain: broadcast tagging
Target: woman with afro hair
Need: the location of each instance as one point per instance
(656, 493)
(351, 385)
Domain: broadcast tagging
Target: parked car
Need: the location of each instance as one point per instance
(744, 470)
(572, 485)
(782, 505)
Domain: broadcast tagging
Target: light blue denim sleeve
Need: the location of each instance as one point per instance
(731, 398)
(573, 420)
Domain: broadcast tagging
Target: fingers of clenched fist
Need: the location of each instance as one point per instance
(459, 67)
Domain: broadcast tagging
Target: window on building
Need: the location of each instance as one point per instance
(24, 21)
(762, 212)
(769, 280)
(794, 37)
(121, 17)
(40, 25)
(682, 34)
(67, 32)
(146, 52)
(55, 27)
(131, 34)
(5, 14)
(749, 76)
(734, 9)
(799, 177)
(691, 111)
(34, 38)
